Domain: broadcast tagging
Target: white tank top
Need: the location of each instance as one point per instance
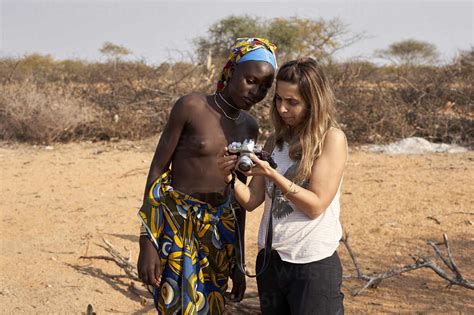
(296, 237)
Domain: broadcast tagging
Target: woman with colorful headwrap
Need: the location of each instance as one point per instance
(188, 223)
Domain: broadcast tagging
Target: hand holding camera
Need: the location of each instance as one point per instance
(244, 150)
(238, 156)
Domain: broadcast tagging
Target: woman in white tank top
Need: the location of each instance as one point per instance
(301, 195)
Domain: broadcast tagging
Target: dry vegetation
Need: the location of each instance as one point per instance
(43, 100)
(65, 210)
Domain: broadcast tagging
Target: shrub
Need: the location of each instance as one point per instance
(41, 115)
(74, 100)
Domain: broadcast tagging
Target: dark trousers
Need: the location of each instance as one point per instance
(312, 288)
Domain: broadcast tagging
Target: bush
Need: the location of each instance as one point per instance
(429, 102)
(41, 115)
(49, 101)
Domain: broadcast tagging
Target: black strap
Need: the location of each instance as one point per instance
(267, 250)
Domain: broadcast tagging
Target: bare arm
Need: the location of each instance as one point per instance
(149, 267)
(252, 196)
(324, 181)
(168, 141)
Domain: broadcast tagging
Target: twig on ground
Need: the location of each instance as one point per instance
(372, 281)
(434, 219)
(122, 262)
(102, 257)
(128, 268)
(453, 276)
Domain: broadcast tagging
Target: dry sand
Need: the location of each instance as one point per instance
(58, 203)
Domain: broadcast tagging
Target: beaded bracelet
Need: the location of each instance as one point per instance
(143, 230)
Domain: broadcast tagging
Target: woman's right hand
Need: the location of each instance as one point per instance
(226, 163)
(149, 266)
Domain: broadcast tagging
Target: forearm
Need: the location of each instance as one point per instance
(157, 169)
(245, 196)
(305, 200)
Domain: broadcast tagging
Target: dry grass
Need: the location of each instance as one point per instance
(45, 114)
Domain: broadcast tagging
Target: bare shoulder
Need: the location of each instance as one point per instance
(191, 101)
(186, 105)
(335, 135)
(335, 142)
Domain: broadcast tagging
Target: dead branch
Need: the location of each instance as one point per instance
(159, 92)
(184, 76)
(434, 219)
(9, 79)
(101, 257)
(126, 265)
(345, 240)
(121, 261)
(453, 276)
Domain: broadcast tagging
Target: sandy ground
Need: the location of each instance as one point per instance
(58, 203)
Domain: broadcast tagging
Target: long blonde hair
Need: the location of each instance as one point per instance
(306, 139)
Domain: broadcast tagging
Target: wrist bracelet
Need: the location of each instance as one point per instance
(289, 191)
(143, 230)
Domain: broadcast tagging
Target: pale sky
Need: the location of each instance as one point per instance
(158, 31)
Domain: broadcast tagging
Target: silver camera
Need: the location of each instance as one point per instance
(243, 151)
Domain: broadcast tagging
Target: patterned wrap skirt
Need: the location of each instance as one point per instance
(195, 243)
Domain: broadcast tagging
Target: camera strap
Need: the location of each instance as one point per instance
(239, 250)
(240, 263)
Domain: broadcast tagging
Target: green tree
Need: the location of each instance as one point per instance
(410, 52)
(307, 37)
(40, 67)
(223, 34)
(293, 36)
(114, 52)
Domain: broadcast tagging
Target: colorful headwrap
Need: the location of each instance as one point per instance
(262, 50)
